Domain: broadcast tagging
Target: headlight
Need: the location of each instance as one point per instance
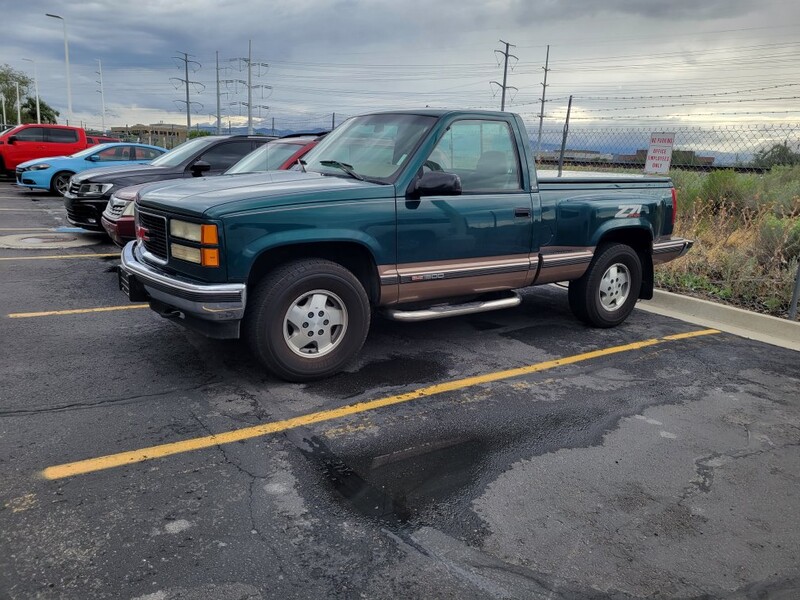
(94, 189)
(40, 167)
(128, 212)
(185, 253)
(194, 232)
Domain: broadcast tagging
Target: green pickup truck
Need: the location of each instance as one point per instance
(417, 214)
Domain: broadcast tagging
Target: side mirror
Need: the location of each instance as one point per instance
(12, 139)
(199, 167)
(93, 158)
(436, 183)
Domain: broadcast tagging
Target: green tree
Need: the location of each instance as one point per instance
(8, 78)
(28, 109)
(779, 154)
(196, 133)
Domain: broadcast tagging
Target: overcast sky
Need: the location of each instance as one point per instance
(627, 62)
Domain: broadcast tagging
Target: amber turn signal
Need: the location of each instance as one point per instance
(208, 235)
(210, 256)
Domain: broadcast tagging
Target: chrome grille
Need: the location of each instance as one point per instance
(115, 209)
(156, 238)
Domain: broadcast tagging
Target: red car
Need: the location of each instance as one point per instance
(30, 141)
(278, 155)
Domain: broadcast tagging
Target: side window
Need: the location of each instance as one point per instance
(31, 134)
(61, 136)
(225, 155)
(482, 153)
(146, 153)
(115, 153)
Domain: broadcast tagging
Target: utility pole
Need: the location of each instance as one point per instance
(36, 86)
(3, 102)
(505, 73)
(541, 112)
(333, 121)
(187, 82)
(219, 118)
(102, 95)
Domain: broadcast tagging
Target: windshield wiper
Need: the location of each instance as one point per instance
(343, 166)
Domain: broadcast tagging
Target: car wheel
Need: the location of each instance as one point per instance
(607, 292)
(307, 319)
(59, 184)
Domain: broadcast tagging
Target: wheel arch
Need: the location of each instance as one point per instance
(353, 256)
(641, 240)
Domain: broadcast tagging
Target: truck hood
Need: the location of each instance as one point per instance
(215, 197)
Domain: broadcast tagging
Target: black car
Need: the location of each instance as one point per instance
(89, 191)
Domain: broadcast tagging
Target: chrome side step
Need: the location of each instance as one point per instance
(453, 310)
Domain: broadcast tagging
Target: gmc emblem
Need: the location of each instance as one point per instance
(141, 233)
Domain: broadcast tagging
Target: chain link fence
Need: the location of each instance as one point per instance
(739, 147)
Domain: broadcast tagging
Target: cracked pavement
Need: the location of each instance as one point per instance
(665, 472)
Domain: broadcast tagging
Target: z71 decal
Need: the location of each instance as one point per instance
(628, 210)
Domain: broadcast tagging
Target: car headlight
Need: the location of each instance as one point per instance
(40, 167)
(194, 232)
(94, 189)
(129, 209)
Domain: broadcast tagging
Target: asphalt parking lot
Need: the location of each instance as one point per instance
(515, 454)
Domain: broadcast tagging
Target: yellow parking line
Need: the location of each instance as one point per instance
(136, 456)
(75, 311)
(60, 256)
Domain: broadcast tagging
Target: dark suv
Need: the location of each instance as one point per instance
(88, 192)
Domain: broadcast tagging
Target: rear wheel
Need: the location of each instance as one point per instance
(59, 184)
(607, 292)
(307, 319)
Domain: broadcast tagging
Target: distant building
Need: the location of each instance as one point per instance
(680, 158)
(576, 156)
(167, 135)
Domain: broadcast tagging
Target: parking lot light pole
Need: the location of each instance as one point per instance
(36, 87)
(66, 60)
(3, 102)
(19, 117)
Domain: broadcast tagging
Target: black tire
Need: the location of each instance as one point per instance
(608, 291)
(58, 180)
(295, 286)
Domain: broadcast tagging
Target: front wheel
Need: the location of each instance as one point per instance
(307, 319)
(60, 182)
(607, 292)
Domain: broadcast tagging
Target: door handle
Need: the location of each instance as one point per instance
(522, 212)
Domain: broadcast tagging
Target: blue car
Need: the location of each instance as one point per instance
(53, 173)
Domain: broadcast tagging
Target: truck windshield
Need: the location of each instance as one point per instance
(180, 153)
(373, 146)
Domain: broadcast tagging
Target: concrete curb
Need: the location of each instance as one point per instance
(744, 323)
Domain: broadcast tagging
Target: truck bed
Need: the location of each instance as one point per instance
(548, 178)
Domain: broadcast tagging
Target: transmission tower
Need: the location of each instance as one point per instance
(102, 95)
(186, 83)
(249, 83)
(504, 87)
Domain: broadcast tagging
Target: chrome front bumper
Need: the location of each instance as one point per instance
(207, 302)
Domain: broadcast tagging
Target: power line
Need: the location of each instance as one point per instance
(187, 82)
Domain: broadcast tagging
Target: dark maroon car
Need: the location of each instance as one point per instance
(277, 155)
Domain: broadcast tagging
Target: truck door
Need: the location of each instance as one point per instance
(28, 144)
(479, 241)
(62, 142)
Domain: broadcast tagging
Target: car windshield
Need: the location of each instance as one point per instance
(9, 130)
(89, 151)
(268, 157)
(374, 147)
(180, 153)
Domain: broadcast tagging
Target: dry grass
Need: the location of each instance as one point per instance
(747, 238)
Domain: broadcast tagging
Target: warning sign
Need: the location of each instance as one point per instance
(659, 155)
